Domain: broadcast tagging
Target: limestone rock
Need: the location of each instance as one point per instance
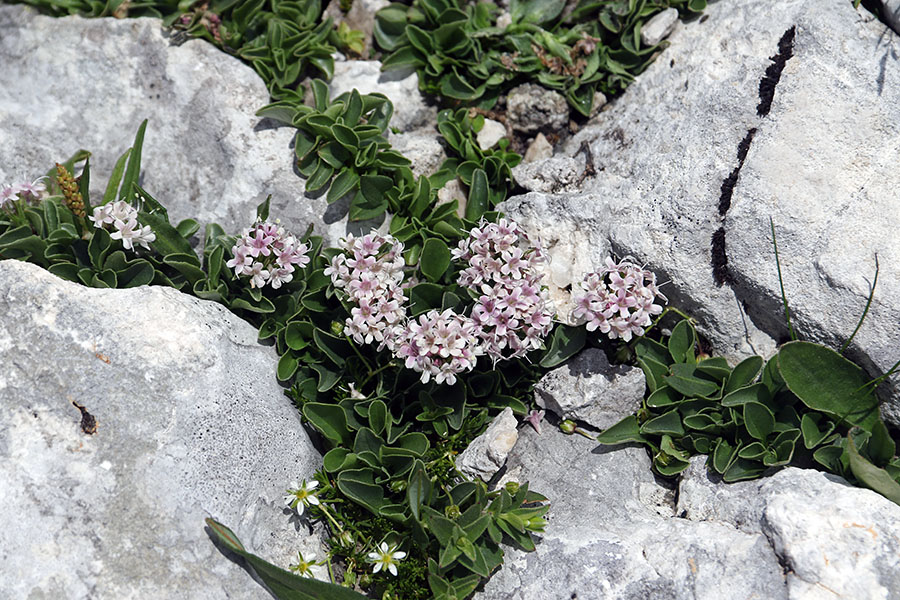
(488, 452)
(530, 107)
(422, 148)
(130, 416)
(554, 174)
(589, 389)
(686, 182)
(491, 133)
(830, 536)
(540, 148)
(205, 154)
(607, 537)
(400, 86)
(659, 27)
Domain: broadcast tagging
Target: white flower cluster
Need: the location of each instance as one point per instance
(30, 192)
(372, 276)
(619, 299)
(123, 218)
(266, 253)
(439, 345)
(513, 313)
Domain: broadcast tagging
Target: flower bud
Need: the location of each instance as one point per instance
(512, 487)
(452, 511)
(337, 328)
(347, 539)
(567, 426)
(398, 485)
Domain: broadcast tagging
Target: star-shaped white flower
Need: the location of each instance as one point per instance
(386, 557)
(299, 496)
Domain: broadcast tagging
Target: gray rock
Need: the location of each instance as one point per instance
(488, 452)
(553, 174)
(589, 389)
(890, 14)
(832, 537)
(530, 107)
(818, 164)
(606, 537)
(422, 148)
(491, 133)
(400, 86)
(659, 27)
(188, 422)
(205, 153)
(540, 148)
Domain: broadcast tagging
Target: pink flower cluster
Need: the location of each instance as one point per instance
(123, 218)
(370, 271)
(619, 299)
(266, 253)
(30, 192)
(439, 345)
(513, 313)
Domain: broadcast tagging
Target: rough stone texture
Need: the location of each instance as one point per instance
(589, 389)
(190, 423)
(554, 174)
(659, 27)
(540, 148)
(611, 534)
(836, 540)
(530, 107)
(400, 86)
(819, 164)
(422, 148)
(491, 133)
(74, 83)
(890, 13)
(487, 453)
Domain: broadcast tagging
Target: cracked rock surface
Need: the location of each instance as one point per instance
(783, 111)
(187, 422)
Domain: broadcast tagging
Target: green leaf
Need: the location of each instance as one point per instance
(758, 420)
(565, 342)
(744, 374)
(826, 381)
(758, 392)
(284, 584)
(626, 430)
(809, 426)
(359, 485)
(330, 420)
(424, 297)
(682, 341)
(870, 475)
(742, 469)
(345, 182)
(134, 165)
(419, 489)
(668, 423)
(479, 196)
(881, 448)
(683, 380)
(287, 366)
(435, 259)
(112, 187)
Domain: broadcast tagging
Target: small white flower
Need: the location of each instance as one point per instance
(303, 567)
(299, 496)
(386, 557)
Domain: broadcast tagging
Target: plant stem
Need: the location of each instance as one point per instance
(376, 372)
(356, 350)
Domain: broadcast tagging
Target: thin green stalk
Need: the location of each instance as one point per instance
(866, 310)
(361, 357)
(787, 311)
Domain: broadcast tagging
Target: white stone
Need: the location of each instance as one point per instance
(400, 86)
(189, 423)
(659, 27)
(540, 148)
(422, 148)
(490, 133)
(589, 389)
(206, 155)
(487, 453)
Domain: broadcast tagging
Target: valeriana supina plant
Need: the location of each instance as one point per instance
(513, 312)
(267, 254)
(32, 193)
(439, 345)
(619, 300)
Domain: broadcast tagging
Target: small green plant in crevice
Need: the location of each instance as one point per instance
(480, 170)
(464, 53)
